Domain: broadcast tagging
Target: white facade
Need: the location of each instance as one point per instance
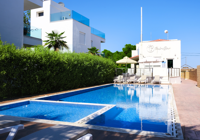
(168, 51)
(78, 35)
(11, 24)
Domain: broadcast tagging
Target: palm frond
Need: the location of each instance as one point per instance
(55, 40)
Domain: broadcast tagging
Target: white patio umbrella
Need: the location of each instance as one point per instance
(126, 60)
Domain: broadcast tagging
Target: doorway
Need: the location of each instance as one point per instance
(170, 63)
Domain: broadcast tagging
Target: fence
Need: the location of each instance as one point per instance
(198, 76)
(189, 74)
(144, 71)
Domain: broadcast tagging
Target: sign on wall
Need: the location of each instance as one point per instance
(151, 48)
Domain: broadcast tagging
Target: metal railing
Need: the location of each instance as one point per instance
(70, 15)
(97, 32)
(144, 71)
(78, 17)
(32, 31)
(174, 72)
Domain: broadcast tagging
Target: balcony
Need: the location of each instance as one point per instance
(70, 15)
(78, 17)
(98, 33)
(32, 32)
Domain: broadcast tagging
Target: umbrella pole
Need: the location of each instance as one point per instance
(126, 72)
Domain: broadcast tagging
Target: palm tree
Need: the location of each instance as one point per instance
(93, 50)
(55, 41)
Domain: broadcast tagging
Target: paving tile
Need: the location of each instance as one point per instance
(136, 137)
(105, 135)
(57, 132)
(29, 127)
(187, 97)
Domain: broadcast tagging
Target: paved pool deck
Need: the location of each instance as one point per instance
(187, 97)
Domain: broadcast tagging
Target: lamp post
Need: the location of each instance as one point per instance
(166, 31)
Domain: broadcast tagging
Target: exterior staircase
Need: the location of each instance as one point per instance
(164, 80)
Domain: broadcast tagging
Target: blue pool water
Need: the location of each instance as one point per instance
(49, 111)
(141, 107)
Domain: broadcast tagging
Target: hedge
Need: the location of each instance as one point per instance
(28, 72)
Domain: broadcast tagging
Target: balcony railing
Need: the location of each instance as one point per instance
(70, 15)
(33, 32)
(98, 33)
(78, 17)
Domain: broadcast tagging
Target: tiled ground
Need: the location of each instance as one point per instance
(29, 127)
(105, 135)
(187, 96)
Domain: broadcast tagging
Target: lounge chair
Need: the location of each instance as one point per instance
(119, 79)
(13, 131)
(156, 79)
(132, 79)
(143, 78)
(60, 132)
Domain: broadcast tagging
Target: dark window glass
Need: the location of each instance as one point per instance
(170, 64)
(41, 14)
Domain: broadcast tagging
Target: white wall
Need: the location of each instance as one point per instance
(58, 27)
(164, 49)
(97, 41)
(77, 28)
(134, 53)
(11, 24)
(160, 71)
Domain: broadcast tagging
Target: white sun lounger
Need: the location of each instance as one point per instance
(143, 78)
(132, 79)
(119, 79)
(156, 79)
(60, 132)
(13, 131)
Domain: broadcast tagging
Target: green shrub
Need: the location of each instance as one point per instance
(29, 72)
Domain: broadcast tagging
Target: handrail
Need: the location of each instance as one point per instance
(173, 72)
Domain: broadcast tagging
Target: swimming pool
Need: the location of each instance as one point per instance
(56, 111)
(140, 107)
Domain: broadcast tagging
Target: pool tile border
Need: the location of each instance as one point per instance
(70, 92)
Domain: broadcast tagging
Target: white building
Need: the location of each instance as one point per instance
(55, 17)
(11, 22)
(46, 16)
(168, 54)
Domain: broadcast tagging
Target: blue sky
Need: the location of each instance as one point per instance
(120, 21)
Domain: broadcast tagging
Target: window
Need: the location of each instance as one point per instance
(40, 14)
(92, 43)
(82, 38)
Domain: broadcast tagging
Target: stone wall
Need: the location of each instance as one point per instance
(198, 75)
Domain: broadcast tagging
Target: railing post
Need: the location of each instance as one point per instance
(168, 73)
(171, 72)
